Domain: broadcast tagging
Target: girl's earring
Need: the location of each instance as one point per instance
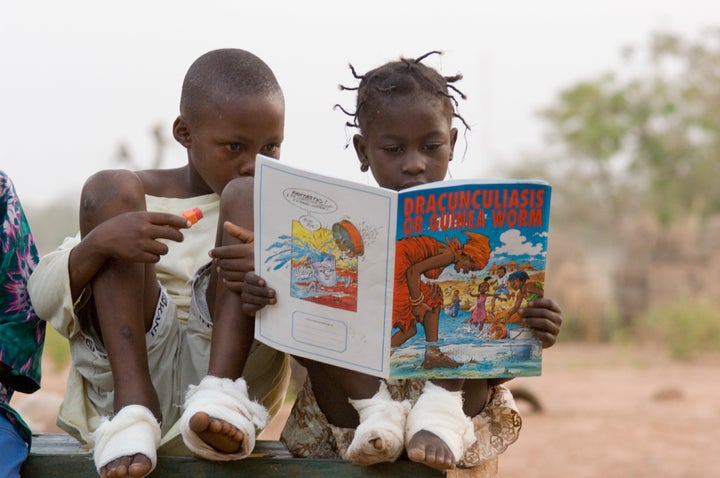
(364, 167)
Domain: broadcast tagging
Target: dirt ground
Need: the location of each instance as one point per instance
(608, 411)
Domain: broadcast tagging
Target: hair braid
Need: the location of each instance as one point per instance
(401, 77)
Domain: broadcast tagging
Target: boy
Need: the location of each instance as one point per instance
(145, 314)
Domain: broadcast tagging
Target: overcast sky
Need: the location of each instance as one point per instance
(81, 77)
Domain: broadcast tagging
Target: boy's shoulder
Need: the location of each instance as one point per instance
(166, 182)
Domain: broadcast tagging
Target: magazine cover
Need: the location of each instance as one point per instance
(469, 255)
(426, 282)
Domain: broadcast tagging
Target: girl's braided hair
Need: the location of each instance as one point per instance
(402, 77)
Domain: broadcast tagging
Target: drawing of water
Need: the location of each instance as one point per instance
(517, 355)
(313, 271)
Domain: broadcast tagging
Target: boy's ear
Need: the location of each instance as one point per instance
(181, 132)
(360, 150)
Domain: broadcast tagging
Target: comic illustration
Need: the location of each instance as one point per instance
(427, 282)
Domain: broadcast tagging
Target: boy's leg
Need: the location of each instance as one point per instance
(124, 296)
(227, 427)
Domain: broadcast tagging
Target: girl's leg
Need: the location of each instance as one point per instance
(438, 430)
(352, 400)
(333, 386)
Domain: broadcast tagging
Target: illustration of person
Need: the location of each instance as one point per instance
(454, 304)
(418, 301)
(501, 280)
(479, 312)
(521, 291)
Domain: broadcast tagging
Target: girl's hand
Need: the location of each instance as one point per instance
(256, 294)
(544, 316)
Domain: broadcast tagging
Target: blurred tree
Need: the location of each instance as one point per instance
(645, 136)
(631, 149)
(124, 158)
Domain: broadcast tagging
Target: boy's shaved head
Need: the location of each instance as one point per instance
(221, 74)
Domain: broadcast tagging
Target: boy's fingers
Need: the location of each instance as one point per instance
(238, 232)
(166, 219)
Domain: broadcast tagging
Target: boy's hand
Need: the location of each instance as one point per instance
(544, 316)
(235, 264)
(133, 236)
(233, 261)
(256, 294)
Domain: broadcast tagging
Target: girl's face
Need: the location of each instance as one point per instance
(409, 141)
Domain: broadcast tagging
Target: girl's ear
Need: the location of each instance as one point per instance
(360, 150)
(181, 132)
(453, 139)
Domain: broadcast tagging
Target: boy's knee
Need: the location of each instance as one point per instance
(237, 197)
(237, 189)
(111, 187)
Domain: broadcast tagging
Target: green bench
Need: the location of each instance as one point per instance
(59, 455)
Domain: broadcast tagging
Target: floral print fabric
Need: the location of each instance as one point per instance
(22, 334)
(308, 434)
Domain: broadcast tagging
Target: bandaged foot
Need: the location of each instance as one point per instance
(229, 416)
(133, 431)
(436, 426)
(379, 437)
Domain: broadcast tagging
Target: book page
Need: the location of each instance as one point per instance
(325, 245)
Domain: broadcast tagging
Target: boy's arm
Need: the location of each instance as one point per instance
(49, 288)
(57, 284)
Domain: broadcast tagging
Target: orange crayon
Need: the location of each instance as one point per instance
(193, 215)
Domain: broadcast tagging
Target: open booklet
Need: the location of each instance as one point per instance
(421, 283)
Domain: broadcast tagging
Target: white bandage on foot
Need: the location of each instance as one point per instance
(132, 430)
(226, 400)
(441, 412)
(380, 417)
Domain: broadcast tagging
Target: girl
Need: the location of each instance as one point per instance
(479, 313)
(404, 112)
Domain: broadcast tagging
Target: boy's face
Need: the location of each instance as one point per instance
(408, 142)
(223, 139)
